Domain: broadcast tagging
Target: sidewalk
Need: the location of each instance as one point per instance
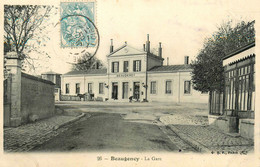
(26, 137)
(195, 131)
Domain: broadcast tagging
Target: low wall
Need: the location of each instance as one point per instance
(226, 124)
(37, 98)
(69, 98)
(246, 128)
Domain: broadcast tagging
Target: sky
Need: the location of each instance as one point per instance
(180, 25)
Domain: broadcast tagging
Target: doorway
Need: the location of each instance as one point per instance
(125, 90)
(115, 90)
(136, 91)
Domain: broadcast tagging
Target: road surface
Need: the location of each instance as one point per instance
(119, 128)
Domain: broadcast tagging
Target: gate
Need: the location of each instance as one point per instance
(216, 103)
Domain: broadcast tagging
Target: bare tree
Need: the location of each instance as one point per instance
(22, 24)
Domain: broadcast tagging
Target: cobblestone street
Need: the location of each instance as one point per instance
(26, 137)
(196, 129)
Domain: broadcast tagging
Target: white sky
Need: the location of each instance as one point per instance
(181, 26)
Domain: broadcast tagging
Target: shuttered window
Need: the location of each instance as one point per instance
(90, 89)
(67, 88)
(187, 87)
(77, 88)
(125, 66)
(115, 67)
(101, 88)
(168, 87)
(137, 65)
(153, 87)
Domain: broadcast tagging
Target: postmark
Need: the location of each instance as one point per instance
(78, 32)
(78, 24)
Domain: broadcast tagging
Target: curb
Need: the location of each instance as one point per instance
(196, 145)
(69, 122)
(22, 149)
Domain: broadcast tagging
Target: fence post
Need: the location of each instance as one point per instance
(13, 66)
(210, 102)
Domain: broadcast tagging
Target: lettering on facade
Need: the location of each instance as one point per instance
(125, 75)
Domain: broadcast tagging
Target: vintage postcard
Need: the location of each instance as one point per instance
(129, 83)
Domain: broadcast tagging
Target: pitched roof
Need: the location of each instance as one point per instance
(126, 49)
(90, 71)
(239, 50)
(171, 68)
(153, 55)
(50, 72)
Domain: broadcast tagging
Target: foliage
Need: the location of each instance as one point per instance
(207, 72)
(87, 62)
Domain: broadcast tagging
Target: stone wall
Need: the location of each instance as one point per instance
(37, 98)
(246, 128)
(26, 97)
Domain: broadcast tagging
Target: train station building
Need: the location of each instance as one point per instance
(136, 74)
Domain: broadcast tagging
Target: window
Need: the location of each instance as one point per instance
(125, 66)
(67, 88)
(115, 67)
(187, 87)
(153, 87)
(137, 65)
(77, 88)
(101, 88)
(168, 87)
(90, 88)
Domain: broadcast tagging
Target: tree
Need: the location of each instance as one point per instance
(207, 68)
(25, 31)
(87, 62)
(20, 24)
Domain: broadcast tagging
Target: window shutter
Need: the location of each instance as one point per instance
(134, 69)
(112, 70)
(140, 65)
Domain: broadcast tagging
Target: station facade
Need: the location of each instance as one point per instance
(136, 74)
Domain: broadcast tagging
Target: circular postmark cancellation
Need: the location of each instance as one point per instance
(80, 35)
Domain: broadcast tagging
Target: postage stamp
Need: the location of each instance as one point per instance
(78, 24)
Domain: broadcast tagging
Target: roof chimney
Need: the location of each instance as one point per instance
(111, 46)
(186, 60)
(97, 65)
(160, 50)
(147, 44)
(144, 47)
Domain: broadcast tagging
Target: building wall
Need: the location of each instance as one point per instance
(177, 93)
(83, 80)
(130, 79)
(37, 97)
(130, 59)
